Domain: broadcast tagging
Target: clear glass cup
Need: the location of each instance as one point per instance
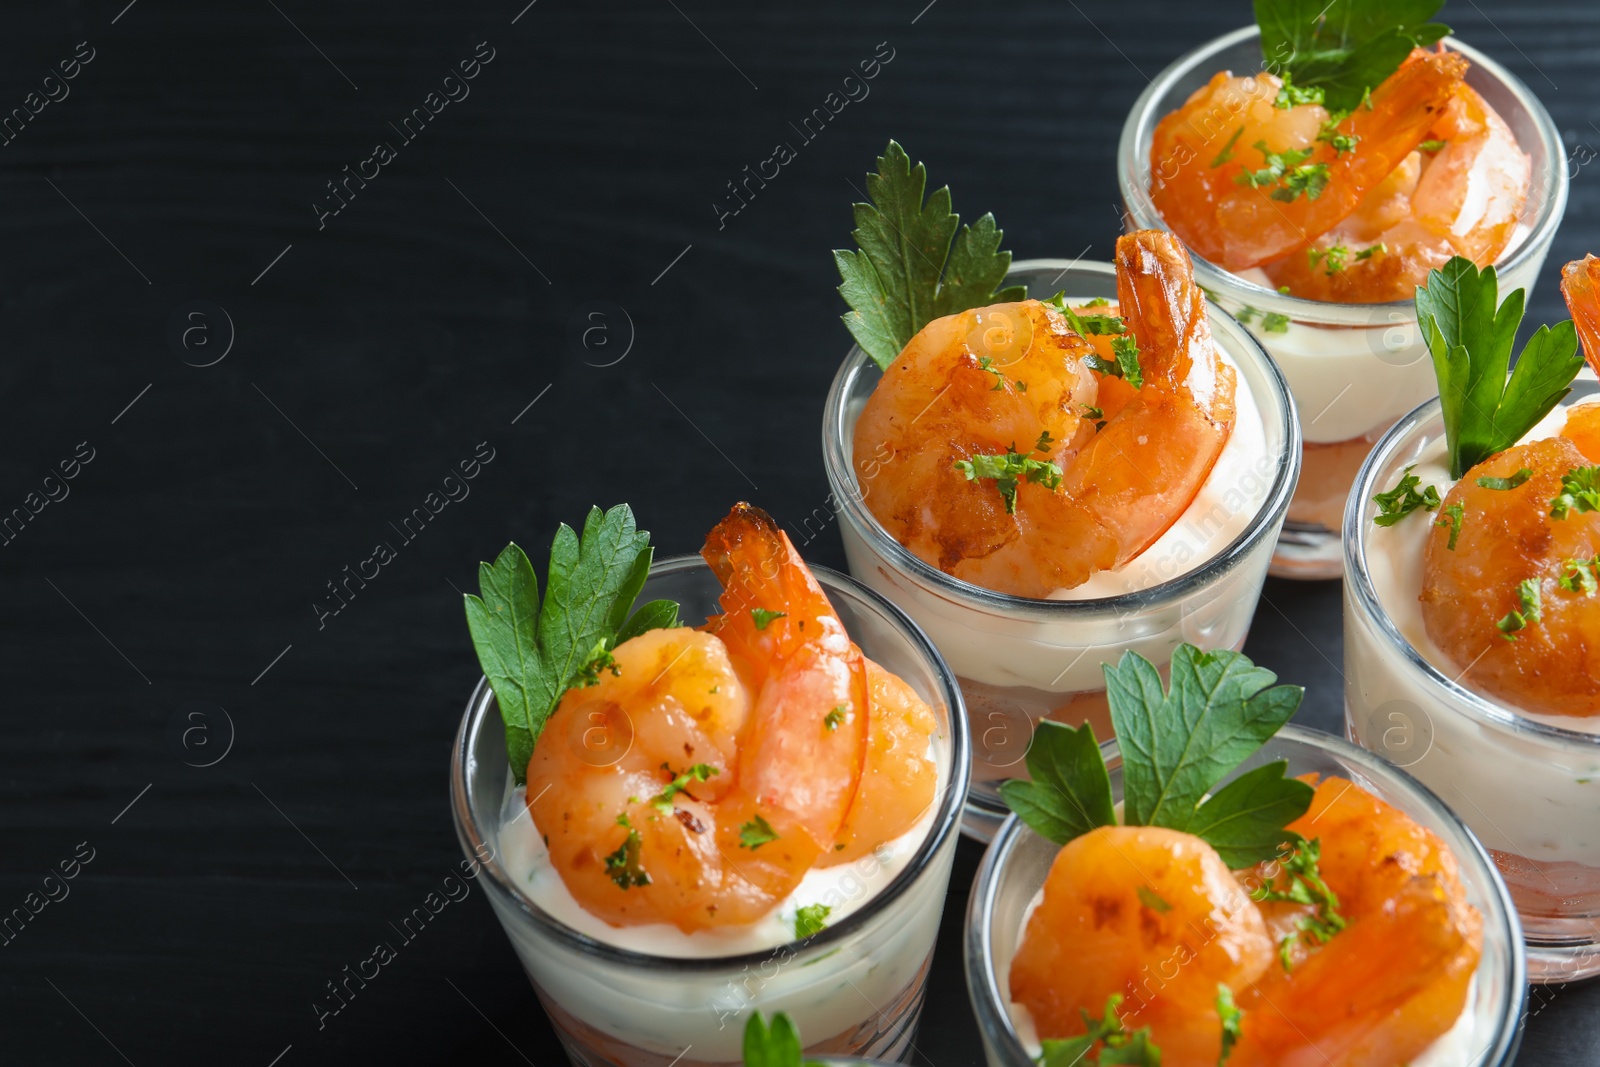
(1020, 659)
(1527, 788)
(1014, 870)
(855, 989)
(1353, 368)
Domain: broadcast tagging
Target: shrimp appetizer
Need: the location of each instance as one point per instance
(1345, 186)
(694, 777)
(1121, 410)
(1336, 931)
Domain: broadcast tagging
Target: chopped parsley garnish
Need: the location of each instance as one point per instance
(755, 833)
(912, 266)
(1230, 1015)
(1310, 179)
(1044, 442)
(623, 864)
(700, 772)
(1245, 314)
(1153, 900)
(809, 920)
(1504, 484)
(1403, 499)
(1093, 412)
(1432, 146)
(1528, 612)
(1372, 250)
(1277, 165)
(1330, 134)
(1333, 257)
(763, 618)
(1087, 325)
(1304, 885)
(1292, 95)
(1119, 1046)
(1579, 576)
(1126, 350)
(1345, 48)
(1227, 149)
(831, 721)
(1008, 471)
(1470, 341)
(1580, 492)
(1452, 519)
(533, 652)
(999, 377)
(1103, 324)
(1275, 323)
(1100, 301)
(1177, 746)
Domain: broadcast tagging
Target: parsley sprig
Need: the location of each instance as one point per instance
(1403, 499)
(1580, 492)
(531, 651)
(912, 265)
(1470, 341)
(1346, 48)
(1177, 745)
(1119, 1046)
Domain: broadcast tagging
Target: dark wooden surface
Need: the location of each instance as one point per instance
(180, 572)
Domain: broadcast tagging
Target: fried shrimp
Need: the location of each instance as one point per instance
(746, 745)
(1017, 378)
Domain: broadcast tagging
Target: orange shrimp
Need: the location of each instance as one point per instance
(1463, 199)
(1156, 916)
(982, 381)
(1196, 161)
(1550, 665)
(744, 746)
(1395, 978)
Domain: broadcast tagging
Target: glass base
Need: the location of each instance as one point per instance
(1559, 904)
(1307, 552)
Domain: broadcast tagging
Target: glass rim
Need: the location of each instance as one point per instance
(481, 710)
(1240, 345)
(1358, 580)
(1133, 180)
(989, 1001)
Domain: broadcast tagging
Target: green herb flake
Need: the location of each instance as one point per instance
(1126, 350)
(763, 618)
(1227, 149)
(1045, 442)
(1292, 95)
(755, 833)
(1245, 314)
(1008, 471)
(809, 920)
(1153, 900)
(1275, 323)
(1277, 165)
(1310, 179)
(912, 266)
(831, 721)
(1528, 612)
(1303, 884)
(1504, 484)
(1580, 492)
(1470, 342)
(1100, 301)
(1344, 48)
(1120, 1048)
(1341, 142)
(533, 652)
(1230, 1015)
(1579, 576)
(623, 864)
(1432, 146)
(1092, 412)
(1452, 519)
(1403, 499)
(1372, 250)
(700, 772)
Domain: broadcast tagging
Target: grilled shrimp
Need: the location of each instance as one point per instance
(1508, 538)
(745, 745)
(1015, 376)
(1200, 153)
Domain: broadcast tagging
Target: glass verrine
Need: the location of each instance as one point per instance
(1353, 368)
(853, 989)
(1020, 659)
(1527, 785)
(1014, 869)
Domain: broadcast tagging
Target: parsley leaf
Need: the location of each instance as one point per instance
(623, 864)
(778, 1046)
(1346, 47)
(1580, 492)
(1372, 250)
(1303, 884)
(1007, 469)
(764, 618)
(700, 772)
(1278, 164)
(1530, 610)
(1244, 820)
(1178, 744)
(1069, 793)
(1470, 342)
(1275, 322)
(533, 653)
(1121, 1047)
(1292, 95)
(1227, 149)
(831, 721)
(1152, 900)
(755, 833)
(1452, 519)
(1126, 350)
(1503, 484)
(912, 265)
(1230, 1014)
(1403, 499)
(811, 919)
(1432, 146)
(1579, 576)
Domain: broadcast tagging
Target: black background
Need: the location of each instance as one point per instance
(377, 352)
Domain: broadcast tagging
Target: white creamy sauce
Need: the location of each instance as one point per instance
(1453, 1048)
(1395, 563)
(844, 888)
(1230, 497)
